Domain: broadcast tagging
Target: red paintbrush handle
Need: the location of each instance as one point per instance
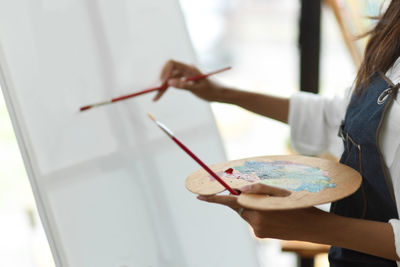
(213, 174)
(162, 87)
(165, 85)
(203, 76)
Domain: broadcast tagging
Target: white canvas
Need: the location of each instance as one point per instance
(109, 185)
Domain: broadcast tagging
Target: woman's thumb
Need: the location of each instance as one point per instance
(259, 188)
(181, 83)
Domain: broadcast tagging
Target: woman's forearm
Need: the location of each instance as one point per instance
(370, 237)
(313, 225)
(270, 106)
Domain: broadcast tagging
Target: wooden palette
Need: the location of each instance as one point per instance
(338, 181)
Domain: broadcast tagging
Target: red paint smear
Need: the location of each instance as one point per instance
(229, 171)
(85, 108)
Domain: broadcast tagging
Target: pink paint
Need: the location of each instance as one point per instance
(231, 175)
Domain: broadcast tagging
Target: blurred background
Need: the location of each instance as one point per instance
(260, 40)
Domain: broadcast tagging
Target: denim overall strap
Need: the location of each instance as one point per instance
(374, 200)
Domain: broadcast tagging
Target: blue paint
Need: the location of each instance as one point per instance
(288, 175)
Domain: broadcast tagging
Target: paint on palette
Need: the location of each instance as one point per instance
(230, 173)
(284, 174)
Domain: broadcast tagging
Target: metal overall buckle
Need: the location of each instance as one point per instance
(392, 88)
(384, 95)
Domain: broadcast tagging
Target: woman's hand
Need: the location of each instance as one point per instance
(282, 224)
(313, 225)
(276, 108)
(173, 73)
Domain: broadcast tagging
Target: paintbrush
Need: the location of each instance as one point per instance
(190, 153)
(164, 86)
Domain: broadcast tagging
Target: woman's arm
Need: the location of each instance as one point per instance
(273, 107)
(270, 106)
(314, 225)
(370, 237)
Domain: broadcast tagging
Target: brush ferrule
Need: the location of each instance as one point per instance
(165, 129)
(101, 103)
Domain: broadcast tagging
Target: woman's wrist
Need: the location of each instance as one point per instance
(224, 94)
(276, 108)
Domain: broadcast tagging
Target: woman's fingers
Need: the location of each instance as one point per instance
(175, 69)
(181, 84)
(177, 83)
(173, 73)
(160, 92)
(260, 188)
(229, 201)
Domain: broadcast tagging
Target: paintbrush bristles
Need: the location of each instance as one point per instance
(162, 126)
(151, 117)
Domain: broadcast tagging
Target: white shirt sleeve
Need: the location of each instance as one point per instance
(396, 230)
(314, 122)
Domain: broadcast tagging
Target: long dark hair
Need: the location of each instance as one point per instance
(383, 47)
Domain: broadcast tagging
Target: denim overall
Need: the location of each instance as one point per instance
(374, 200)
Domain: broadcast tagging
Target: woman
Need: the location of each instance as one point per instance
(363, 228)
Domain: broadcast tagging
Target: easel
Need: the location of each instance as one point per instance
(350, 15)
(349, 38)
